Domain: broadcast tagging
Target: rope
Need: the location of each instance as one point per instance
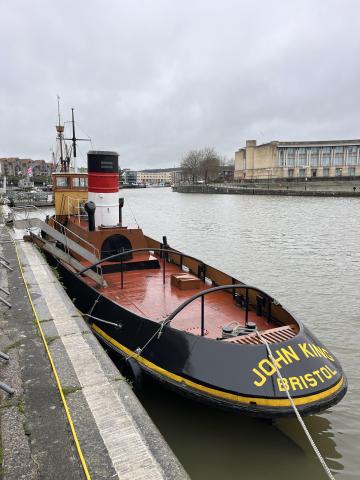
(66, 408)
(301, 421)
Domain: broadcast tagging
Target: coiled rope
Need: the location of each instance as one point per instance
(298, 416)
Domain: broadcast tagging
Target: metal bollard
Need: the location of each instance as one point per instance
(5, 302)
(6, 388)
(3, 264)
(4, 356)
(4, 260)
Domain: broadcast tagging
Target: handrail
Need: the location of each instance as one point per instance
(126, 252)
(193, 297)
(76, 207)
(96, 250)
(217, 289)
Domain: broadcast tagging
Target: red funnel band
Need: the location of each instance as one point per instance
(103, 182)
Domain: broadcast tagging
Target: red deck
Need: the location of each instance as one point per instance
(145, 294)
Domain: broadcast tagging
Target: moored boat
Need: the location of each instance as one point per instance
(174, 318)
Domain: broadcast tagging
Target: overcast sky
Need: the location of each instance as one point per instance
(155, 78)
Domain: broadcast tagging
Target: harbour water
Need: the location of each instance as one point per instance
(303, 251)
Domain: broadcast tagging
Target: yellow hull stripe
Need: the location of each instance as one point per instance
(264, 402)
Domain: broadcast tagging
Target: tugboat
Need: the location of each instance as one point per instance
(172, 317)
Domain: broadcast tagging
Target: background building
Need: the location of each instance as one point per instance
(13, 167)
(298, 159)
(129, 176)
(158, 176)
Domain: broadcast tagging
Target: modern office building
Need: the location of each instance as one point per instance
(337, 158)
(129, 176)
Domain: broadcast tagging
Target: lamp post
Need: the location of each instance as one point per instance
(305, 183)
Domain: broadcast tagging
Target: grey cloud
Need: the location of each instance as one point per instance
(153, 79)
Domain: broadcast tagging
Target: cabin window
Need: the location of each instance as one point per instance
(62, 181)
(79, 182)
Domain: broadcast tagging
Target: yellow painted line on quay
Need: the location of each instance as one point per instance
(63, 399)
(265, 402)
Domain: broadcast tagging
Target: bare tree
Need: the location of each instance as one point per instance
(203, 163)
(209, 163)
(190, 165)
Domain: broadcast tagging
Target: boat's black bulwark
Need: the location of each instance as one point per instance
(230, 375)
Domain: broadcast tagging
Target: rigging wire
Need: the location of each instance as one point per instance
(128, 203)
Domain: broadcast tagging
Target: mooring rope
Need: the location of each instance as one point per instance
(298, 416)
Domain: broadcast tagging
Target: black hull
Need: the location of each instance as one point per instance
(224, 375)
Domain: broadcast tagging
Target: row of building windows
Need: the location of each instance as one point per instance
(319, 156)
(350, 171)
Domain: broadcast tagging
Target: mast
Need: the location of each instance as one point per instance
(65, 150)
(73, 137)
(60, 137)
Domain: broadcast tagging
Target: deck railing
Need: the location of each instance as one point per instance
(232, 287)
(235, 287)
(164, 255)
(69, 233)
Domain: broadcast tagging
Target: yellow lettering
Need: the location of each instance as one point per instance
(259, 383)
(305, 350)
(303, 381)
(333, 372)
(327, 354)
(294, 382)
(311, 380)
(325, 372)
(317, 373)
(267, 362)
(316, 350)
(282, 384)
(290, 353)
(280, 357)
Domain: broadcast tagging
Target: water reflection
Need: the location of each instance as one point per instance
(214, 444)
(320, 430)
